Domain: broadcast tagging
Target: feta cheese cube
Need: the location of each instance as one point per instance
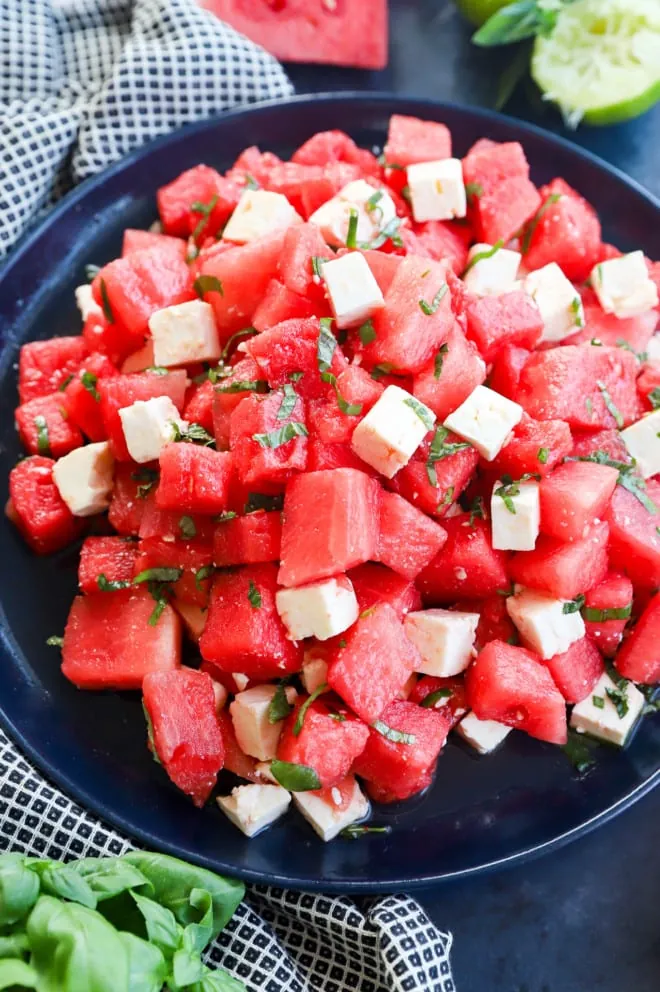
(437, 191)
(221, 695)
(258, 214)
(558, 300)
(252, 808)
(653, 349)
(329, 818)
(623, 285)
(354, 293)
(314, 671)
(493, 275)
(444, 639)
(483, 735)
(320, 609)
(485, 419)
(86, 303)
(84, 478)
(264, 772)
(148, 427)
(392, 431)
(597, 714)
(240, 681)
(255, 734)
(185, 333)
(542, 624)
(515, 513)
(642, 440)
(375, 209)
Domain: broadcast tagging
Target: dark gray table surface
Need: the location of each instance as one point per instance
(584, 919)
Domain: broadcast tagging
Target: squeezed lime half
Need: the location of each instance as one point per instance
(601, 62)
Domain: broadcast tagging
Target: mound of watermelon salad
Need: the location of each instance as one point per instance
(378, 436)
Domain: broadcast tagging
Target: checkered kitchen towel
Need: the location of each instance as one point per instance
(82, 83)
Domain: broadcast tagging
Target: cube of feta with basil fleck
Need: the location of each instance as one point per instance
(84, 478)
(558, 300)
(391, 432)
(184, 333)
(329, 816)
(252, 808)
(354, 294)
(610, 711)
(444, 639)
(258, 214)
(546, 625)
(515, 513)
(642, 439)
(358, 209)
(485, 419)
(320, 609)
(623, 285)
(483, 735)
(149, 425)
(257, 734)
(491, 270)
(436, 189)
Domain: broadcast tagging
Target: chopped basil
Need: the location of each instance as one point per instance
(254, 596)
(205, 572)
(609, 403)
(205, 209)
(530, 227)
(350, 409)
(619, 697)
(382, 161)
(158, 574)
(593, 615)
(599, 702)
(147, 477)
(654, 397)
(406, 194)
(578, 753)
(151, 743)
(187, 527)
(506, 592)
(440, 449)
(507, 491)
(300, 719)
(430, 308)
(339, 717)
(589, 405)
(473, 191)
(573, 605)
(279, 706)
(275, 439)
(389, 233)
(477, 510)
(289, 400)
(576, 307)
(55, 641)
(482, 256)
(107, 585)
(596, 343)
(641, 356)
(89, 381)
(326, 345)
(373, 201)
(66, 382)
(247, 332)
(296, 376)
(207, 284)
(251, 182)
(434, 697)
(91, 272)
(222, 518)
(244, 386)
(105, 303)
(396, 736)
(367, 613)
(426, 416)
(317, 262)
(295, 778)
(439, 361)
(633, 483)
(446, 500)
(542, 455)
(378, 371)
(193, 434)
(356, 830)
(342, 643)
(162, 599)
(367, 332)
(351, 234)
(43, 440)
(157, 370)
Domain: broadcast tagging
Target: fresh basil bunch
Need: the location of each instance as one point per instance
(130, 924)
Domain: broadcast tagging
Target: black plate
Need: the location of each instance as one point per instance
(480, 813)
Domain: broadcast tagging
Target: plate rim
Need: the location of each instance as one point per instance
(78, 793)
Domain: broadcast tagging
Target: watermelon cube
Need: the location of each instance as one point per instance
(37, 509)
(170, 525)
(302, 243)
(193, 478)
(407, 540)
(261, 459)
(322, 455)
(434, 487)
(280, 303)
(136, 240)
(567, 232)
(639, 657)
(190, 556)
(512, 318)
(112, 557)
(536, 447)
(451, 698)
(327, 745)
(611, 603)
(507, 368)
(123, 390)
(375, 584)
(634, 536)
(199, 185)
(110, 338)
(573, 496)
(330, 525)
(411, 140)
(128, 500)
(439, 239)
(504, 197)
(291, 347)
(564, 570)
(82, 398)
(229, 393)
(576, 671)
(248, 540)
(328, 421)
(495, 624)
(44, 426)
(44, 366)
(454, 372)
(326, 147)
(466, 567)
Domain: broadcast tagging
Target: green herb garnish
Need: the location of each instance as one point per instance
(482, 256)
(440, 449)
(55, 641)
(105, 303)
(207, 284)
(542, 455)
(300, 719)
(187, 527)
(89, 380)
(203, 573)
(361, 830)
(434, 697)
(609, 403)
(295, 778)
(593, 615)
(530, 227)
(205, 209)
(351, 235)
(192, 434)
(439, 361)
(367, 332)
(326, 345)
(426, 416)
(289, 400)
(396, 736)
(573, 605)
(275, 439)
(43, 439)
(430, 308)
(279, 706)
(254, 596)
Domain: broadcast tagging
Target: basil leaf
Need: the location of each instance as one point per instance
(187, 527)
(609, 403)
(193, 434)
(19, 889)
(430, 308)
(275, 439)
(108, 877)
(515, 22)
(105, 303)
(65, 382)
(317, 262)
(147, 967)
(351, 234)
(531, 225)
(244, 386)
(295, 778)
(107, 585)
(326, 345)
(434, 697)
(426, 416)
(482, 255)
(654, 397)
(222, 518)
(205, 209)
(254, 596)
(440, 449)
(439, 361)
(367, 332)
(14, 972)
(89, 381)
(578, 753)
(62, 881)
(599, 702)
(247, 332)
(163, 574)
(160, 922)
(55, 641)
(289, 401)
(205, 572)
(356, 830)
(373, 201)
(389, 233)
(396, 736)
(207, 284)
(148, 477)
(279, 706)
(251, 182)
(477, 510)
(542, 455)
(594, 615)
(573, 605)
(300, 719)
(43, 439)
(576, 307)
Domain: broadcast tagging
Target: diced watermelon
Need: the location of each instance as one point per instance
(244, 632)
(291, 347)
(507, 368)
(111, 339)
(186, 736)
(112, 557)
(396, 770)
(189, 555)
(253, 163)
(82, 398)
(439, 239)
(494, 321)
(44, 427)
(375, 584)
(608, 441)
(37, 509)
(535, 447)
(330, 525)
(511, 685)
(372, 662)
(452, 474)
(564, 570)
(610, 329)
(199, 185)
(648, 382)
(567, 231)
(321, 456)
(328, 421)
(280, 303)
(110, 644)
(327, 745)
(302, 243)
(127, 503)
(124, 390)
(614, 593)
(407, 540)
(634, 536)
(495, 624)
(452, 699)
(411, 140)
(199, 406)
(44, 366)
(167, 524)
(504, 198)
(573, 496)
(193, 479)
(639, 657)
(227, 396)
(449, 378)
(319, 184)
(248, 540)
(259, 460)
(135, 240)
(326, 147)
(466, 567)
(576, 671)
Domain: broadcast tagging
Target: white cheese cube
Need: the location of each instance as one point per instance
(321, 609)
(437, 191)
(84, 478)
(252, 808)
(258, 214)
(483, 735)
(444, 639)
(148, 426)
(255, 734)
(184, 333)
(485, 419)
(221, 696)
(558, 300)
(653, 349)
(314, 672)
(86, 303)
(515, 513)
(329, 818)
(642, 440)
(542, 624)
(240, 681)
(597, 714)
(391, 432)
(493, 275)
(623, 285)
(354, 293)
(375, 209)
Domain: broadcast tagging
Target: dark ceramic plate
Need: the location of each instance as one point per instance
(480, 813)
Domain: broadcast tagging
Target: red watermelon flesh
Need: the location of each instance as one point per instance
(576, 671)
(615, 592)
(374, 584)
